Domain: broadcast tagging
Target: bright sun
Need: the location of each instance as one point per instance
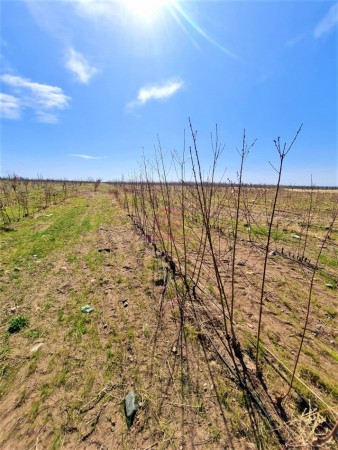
(146, 10)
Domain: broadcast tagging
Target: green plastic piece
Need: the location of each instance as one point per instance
(87, 309)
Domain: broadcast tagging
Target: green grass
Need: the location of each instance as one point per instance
(327, 261)
(332, 354)
(309, 374)
(65, 226)
(331, 312)
(34, 410)
(261, 230)
(34, 333)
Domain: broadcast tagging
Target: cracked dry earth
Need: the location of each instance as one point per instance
(65, 376)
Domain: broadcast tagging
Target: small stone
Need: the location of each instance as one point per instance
(125, 303)
(64, 268)
(295, 236)
(174, 350)
(130, 407)
(37, 347)
(241, 263)
(16, 269)
(272, 253)
(329, 285)
(250, 325)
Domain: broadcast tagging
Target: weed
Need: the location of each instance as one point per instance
(46, 391)
(215, 434)
(60, 378)
(60, 315)
(17, 323)
(34, 333)
(331, 312)
(327, 261)
(146, 331)
(275, 338)
(34, 410)
(22, 398)
(190, 332)
(223, 397)
(332, 354)
(71, 258)
(316, 379)
(79, 328)
(287, 305)
(56, 441)
(199, 408)
(33, 364)
(119, 279)
(307, 351)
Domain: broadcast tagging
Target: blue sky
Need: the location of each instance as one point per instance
(87, 86)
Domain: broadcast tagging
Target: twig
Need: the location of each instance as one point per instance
(97, 398)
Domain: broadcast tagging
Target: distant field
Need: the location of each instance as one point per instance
(183, 278)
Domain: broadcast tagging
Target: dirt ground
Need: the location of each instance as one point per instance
(66, 374)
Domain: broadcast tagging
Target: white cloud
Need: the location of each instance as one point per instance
(84, 156)
(328, 22)
(78, 64)
(156, 92)
(43, 99)
(9, 106)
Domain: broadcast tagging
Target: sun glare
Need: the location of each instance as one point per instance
(145, 10)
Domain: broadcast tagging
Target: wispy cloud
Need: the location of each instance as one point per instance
(9, 106)
(328, 22)
(294, 41)
(84, 156)
(79, 65)
(156, 92)
(43, 99)
(96, 8)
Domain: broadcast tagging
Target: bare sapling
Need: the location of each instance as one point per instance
(307, 315)
(282, 153)
(97, 184)
(243, 154)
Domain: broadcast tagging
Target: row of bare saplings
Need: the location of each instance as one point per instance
(20, 197)
(195, 226)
